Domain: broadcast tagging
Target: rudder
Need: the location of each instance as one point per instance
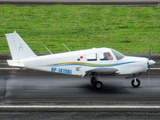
(18, 48)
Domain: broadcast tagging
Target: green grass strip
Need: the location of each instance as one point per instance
(130, 30)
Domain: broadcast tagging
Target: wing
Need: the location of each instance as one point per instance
(102, 71)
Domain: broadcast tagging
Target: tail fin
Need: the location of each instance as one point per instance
(18, 48)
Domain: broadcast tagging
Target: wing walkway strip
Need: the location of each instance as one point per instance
(77, 107)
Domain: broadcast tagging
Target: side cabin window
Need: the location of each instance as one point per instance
(91, 57)
(106, 56)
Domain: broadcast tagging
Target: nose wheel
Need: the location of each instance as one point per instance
(135, 82)
(97, 84)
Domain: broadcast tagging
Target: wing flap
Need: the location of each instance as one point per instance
(102, 71)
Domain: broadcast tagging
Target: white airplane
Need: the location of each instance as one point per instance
(93, 62)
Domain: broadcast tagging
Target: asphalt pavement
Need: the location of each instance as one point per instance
(72, 97)
(23, 87)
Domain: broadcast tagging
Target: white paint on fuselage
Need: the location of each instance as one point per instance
(126, 65)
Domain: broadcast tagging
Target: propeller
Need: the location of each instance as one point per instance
(150, 52)
(149, 58)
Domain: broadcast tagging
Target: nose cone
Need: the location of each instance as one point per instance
(151, 62)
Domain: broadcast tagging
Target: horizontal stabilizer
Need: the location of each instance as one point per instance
(15, 63)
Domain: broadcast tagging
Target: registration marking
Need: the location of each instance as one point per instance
(61, 70)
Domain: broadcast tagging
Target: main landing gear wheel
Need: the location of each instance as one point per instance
(97, 84)
(135, 82)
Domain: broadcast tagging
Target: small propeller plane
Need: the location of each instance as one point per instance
(93, 62)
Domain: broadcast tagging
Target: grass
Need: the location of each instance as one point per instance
(130, 30)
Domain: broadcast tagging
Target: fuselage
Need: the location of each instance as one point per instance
(78, 62)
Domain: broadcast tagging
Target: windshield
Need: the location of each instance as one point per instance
(117, 54)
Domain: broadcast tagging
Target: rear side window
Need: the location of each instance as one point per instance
(91, 57)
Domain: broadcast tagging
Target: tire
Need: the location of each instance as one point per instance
(98, 85)
(93, 80)
(135, 84)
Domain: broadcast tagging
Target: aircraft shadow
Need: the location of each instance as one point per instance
(109, 89)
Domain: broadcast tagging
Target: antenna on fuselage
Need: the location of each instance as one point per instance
(66, 47)
(48, 49)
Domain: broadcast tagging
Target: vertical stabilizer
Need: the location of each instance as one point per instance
(18, 48)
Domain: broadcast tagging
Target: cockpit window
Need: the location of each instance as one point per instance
(106, 56)
(117, 54)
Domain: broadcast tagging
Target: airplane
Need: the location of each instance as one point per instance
(95, 62)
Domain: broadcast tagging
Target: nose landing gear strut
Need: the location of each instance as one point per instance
(135, 82)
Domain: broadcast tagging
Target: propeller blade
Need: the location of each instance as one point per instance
(148, 73)
(150, 52)
(149, 58)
